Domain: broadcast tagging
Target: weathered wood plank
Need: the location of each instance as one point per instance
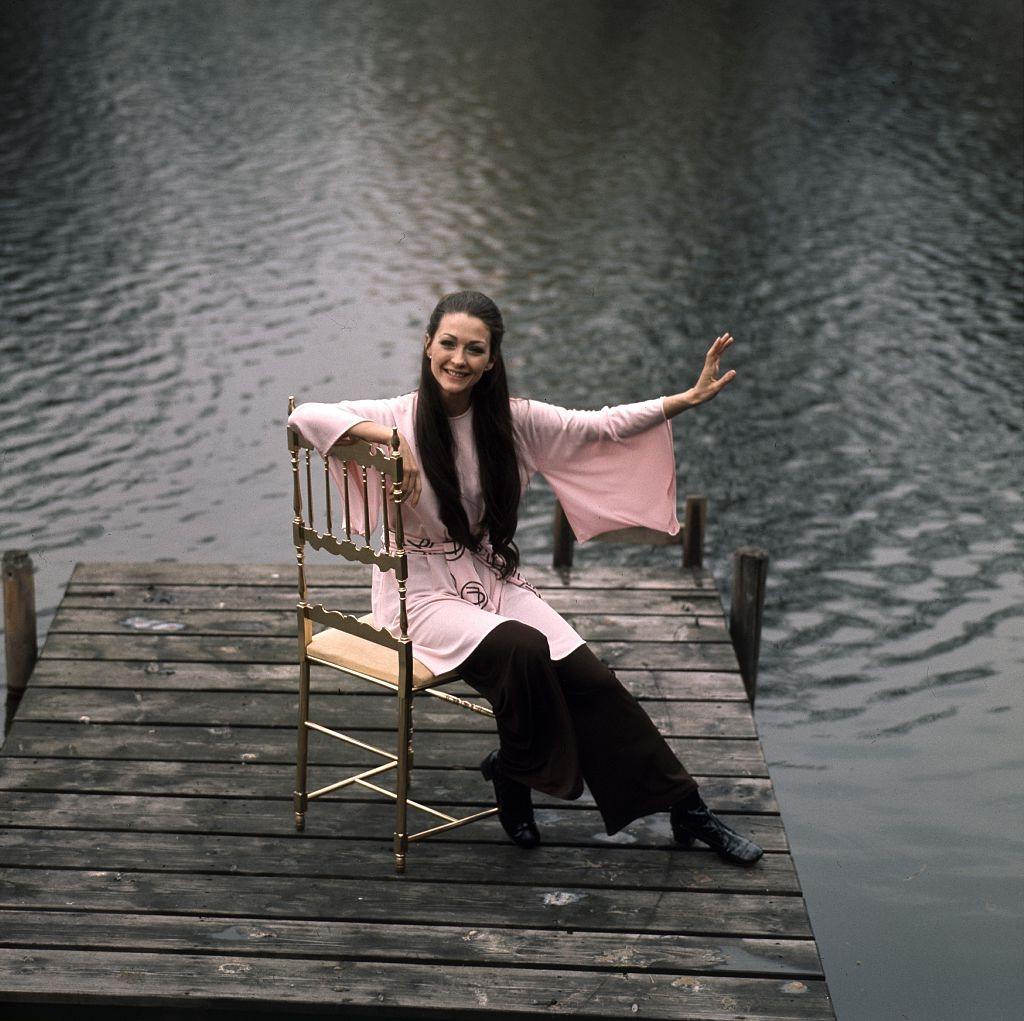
(236, 598)
(545, 905)
(339, 574)
(261, 649)
(254, 780)
(443, 944)
(269, 745)
(564, 826)
(700, 685)
(399, 991)
(623, 868)
(281, 623)
(370, 709)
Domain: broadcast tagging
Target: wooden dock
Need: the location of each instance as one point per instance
(149, 858)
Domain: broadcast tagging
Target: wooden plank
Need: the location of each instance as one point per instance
(261, 649)
(701, 685)
(562, 826)
(371, 709)
(255, 780)
(443, 944)
(323, 573)
(281, 623)
(268, 745)
(545, 905)
(623, 868)
(688, 602)
(400, 991)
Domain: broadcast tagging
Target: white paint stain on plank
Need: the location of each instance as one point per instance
(559, 898)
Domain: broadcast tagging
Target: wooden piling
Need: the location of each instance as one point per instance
(694, 526)
(19, 625)
(749, 572)
(563, 539)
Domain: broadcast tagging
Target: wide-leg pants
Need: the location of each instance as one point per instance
(565, 722)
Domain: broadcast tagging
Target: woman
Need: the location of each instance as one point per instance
(469, 451)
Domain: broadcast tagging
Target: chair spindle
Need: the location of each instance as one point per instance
(309, 486)
(327, 497)
(366, 504)
(384, 508)
(296, 486)
(348, 513)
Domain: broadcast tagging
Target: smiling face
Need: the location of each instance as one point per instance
(459, 353)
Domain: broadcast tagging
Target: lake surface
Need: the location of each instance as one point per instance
(208, 206)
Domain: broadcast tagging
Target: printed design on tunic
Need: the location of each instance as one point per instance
(473, 592)
(420, 544)
(455, 552)
(517, 579)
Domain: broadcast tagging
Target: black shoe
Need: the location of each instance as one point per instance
(699, 823)
(515, 806)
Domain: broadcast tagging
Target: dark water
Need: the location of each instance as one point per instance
(208, 206)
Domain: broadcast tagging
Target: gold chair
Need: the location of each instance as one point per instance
(352, 644)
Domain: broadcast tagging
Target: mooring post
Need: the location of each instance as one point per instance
(695, 521)
(19, 625)
(749, 572)
(563, 539)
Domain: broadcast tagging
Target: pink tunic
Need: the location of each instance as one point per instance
(609, 469)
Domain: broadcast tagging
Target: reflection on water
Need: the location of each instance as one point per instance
(211, 206)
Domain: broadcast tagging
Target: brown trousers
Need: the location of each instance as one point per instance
(568, 721)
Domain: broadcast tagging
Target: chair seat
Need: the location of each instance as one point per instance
(341, 649)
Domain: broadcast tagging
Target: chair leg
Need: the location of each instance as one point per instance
(302, 752)
(402, 785)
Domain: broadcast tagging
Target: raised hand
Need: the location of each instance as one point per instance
(709, 385)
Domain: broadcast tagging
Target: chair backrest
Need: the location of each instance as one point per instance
(365, 467)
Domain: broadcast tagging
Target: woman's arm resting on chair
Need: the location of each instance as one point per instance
(374, 433)
(707, 386)
(328, 426)
(369, 431)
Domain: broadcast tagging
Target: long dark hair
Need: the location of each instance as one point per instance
(492, 434)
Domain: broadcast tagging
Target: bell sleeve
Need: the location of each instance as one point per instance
(610, 469)
(323, 425)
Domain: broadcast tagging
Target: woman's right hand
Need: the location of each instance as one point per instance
(372, 432)
(410, 473)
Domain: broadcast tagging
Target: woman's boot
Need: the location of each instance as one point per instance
(515, 804)
(692, 819)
